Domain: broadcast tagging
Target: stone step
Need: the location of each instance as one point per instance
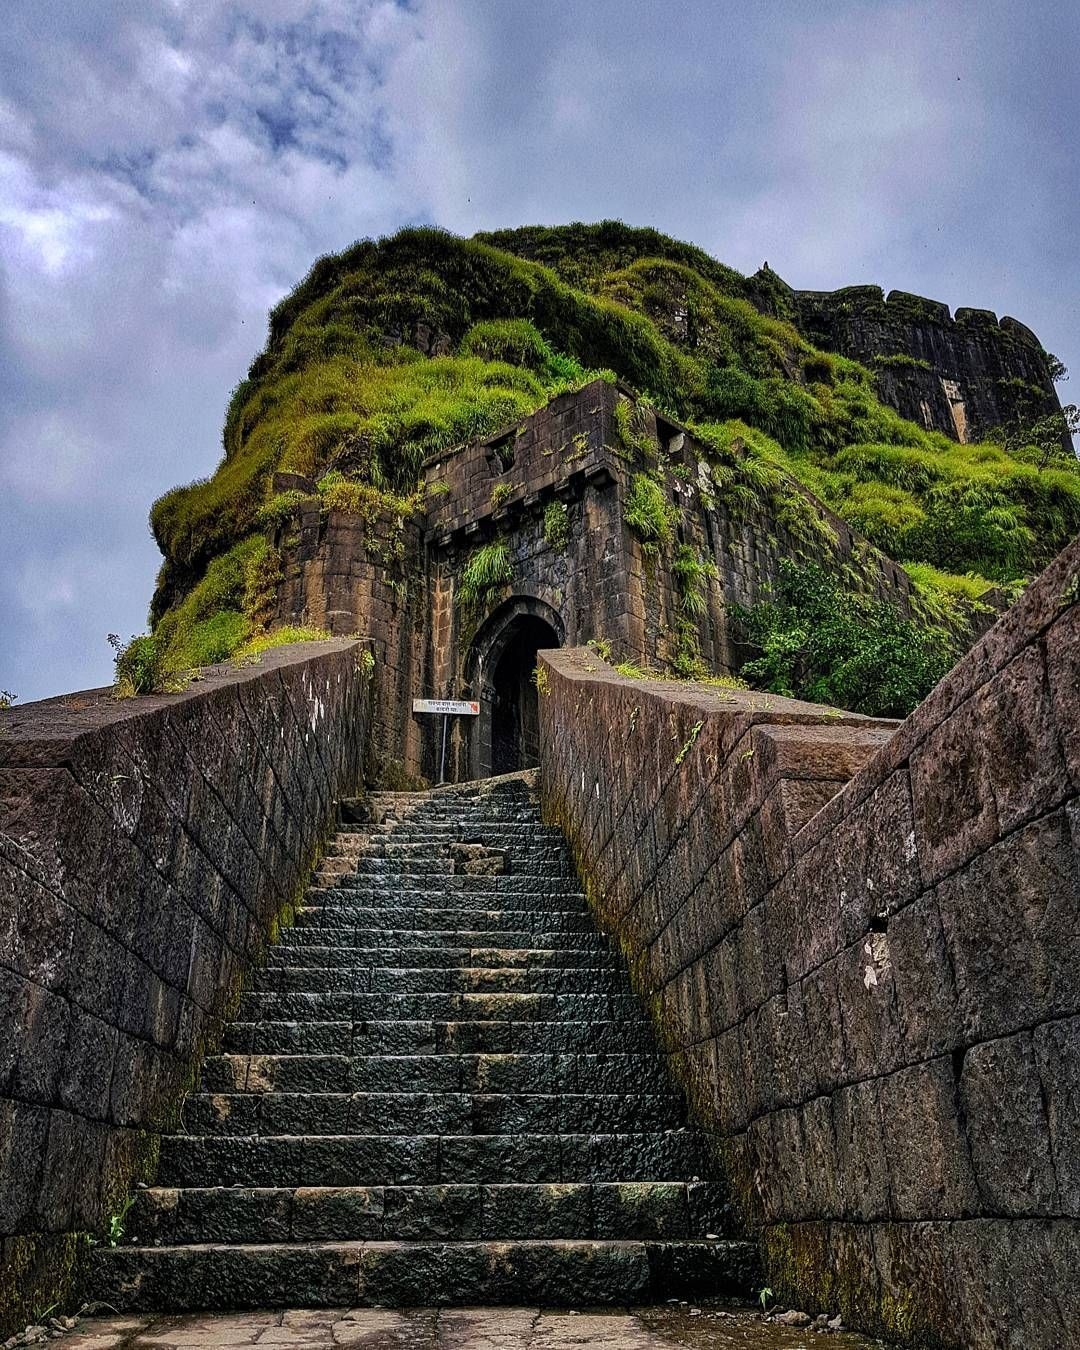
(467, 817)
(428, 1160)
(440, 980)
(638, 1209)
(558, 892)
(400, 847)
(440, 1089)
(314, 957)
(368, 919)
(391, 939)
(401, 1274)
(277, 1113)
(363, 1007)
(543, 1073)
(345, 1037)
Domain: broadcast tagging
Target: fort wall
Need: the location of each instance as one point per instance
(149, 850)
(965, 375)
(859, 941)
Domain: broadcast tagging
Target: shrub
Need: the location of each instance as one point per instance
(822, 643)
(142, 667)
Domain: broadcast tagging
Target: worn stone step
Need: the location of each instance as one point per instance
(363, 1007)
(464, 892)
(404, 1037)
(352, 1274)
(440, 980)
(543, 1073)
(607, 1210)
(520, 856)
(369, 919)
(391, 939)
(444, 1113)
(440, 822)
(394, 849)
(298, 956)
(425, 1160)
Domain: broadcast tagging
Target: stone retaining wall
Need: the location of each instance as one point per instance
(148, 851)
(862, 944)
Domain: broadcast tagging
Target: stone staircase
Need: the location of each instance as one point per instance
(440, 1090)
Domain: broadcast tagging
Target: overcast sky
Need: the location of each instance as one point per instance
(168, 168)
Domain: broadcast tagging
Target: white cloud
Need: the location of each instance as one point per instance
(169, 169)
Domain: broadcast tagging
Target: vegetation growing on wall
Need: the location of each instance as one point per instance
(348, 394)
(487, 568)
(648, 511)
(820, 642)
(556, 526)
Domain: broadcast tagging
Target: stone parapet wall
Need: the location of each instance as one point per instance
(860, 941)
(149, 849)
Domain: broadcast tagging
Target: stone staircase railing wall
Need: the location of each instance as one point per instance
(861, 946)
(149, 849)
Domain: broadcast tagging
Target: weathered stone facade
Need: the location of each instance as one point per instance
(596, 582)
(860, 943)
(149, 850)
(965, 375)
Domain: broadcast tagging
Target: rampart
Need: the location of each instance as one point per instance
(149, 849)
(860, 943)
(966, 374)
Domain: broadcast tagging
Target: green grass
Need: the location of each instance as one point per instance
(489, 567)
(556, 526)
(648, 511)
(342, 396)
(285, 636)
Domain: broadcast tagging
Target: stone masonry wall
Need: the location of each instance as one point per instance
(861, 945)
(148, 851)
(353, 576)
(965, 375)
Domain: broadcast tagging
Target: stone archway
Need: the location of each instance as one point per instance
(500, 673)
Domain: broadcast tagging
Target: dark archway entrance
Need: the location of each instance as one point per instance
(515, 713)
(501, 665)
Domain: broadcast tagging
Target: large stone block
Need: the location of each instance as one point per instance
(1018, 735)
(954, 804)
(930, 1174)
(1009, 920)
(1007, 1128)
(1057, 1055)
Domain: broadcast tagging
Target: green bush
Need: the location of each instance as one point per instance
(823, 643)
(142, 667)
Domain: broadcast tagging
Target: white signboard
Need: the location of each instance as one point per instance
(453, 706)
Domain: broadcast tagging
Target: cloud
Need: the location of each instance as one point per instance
(168, 170)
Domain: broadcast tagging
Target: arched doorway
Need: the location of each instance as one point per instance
(501, 665)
